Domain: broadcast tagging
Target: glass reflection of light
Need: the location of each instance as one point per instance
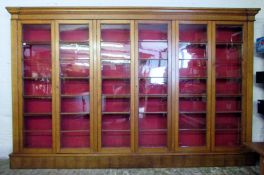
(116, 61)
(157, 72)
(114, 45)
(115, 55)
(82, 64)
(76, 47)
(184, 63)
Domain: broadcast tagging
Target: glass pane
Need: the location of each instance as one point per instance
(228, 104)
(115, 32)
(74, 33)
(193, 68)
(153, 86)
(193, 33)
(38, 139)
(228, 121)
(77, 104)
(37, 68)
(191, 138)
(37, 52)
(36, 33)
(115, 122)
(115, 104)
(75, 139)
(152, 104)
(77, 87)
(228, 54)
(75, 69)
(227, 138)
(37, 87)
(74, 51)
(115, 87)
(116, 138)
(115, 68)
(192, 104)
(75, 122)
(37, 105)
(193, 51)
(153, 50)
(152, 122)
(228, 86)
(229, 33)
(115, 50)
(195, 86)
(152, 32)
(153, 138)
(192, 121)
(38, 123)
(153, 68)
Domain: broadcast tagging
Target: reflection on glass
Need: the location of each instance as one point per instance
(116, 68)
(74, 51)
(225, 70)
(37, 68)
(193, 33)
(193, 51)
(111, 50)
(228, 121)
(153, 50)
(36, 52)
(193, 68)
(196, 86)
(153, 68)
(75, 104)
(74, 33)
(192, 121)
(153, 86)
(115, 122)
(38, 87)
(75, 122)
(152, 104)
(116, 87)
(228, 54)
(229, 33)
(152, 32)
(74, 68)
(152, 121)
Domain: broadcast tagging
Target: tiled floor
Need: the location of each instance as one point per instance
(252, 170)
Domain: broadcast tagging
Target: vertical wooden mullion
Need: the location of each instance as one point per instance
(99, 84)
(15, 96)
(248, 47)
(55, 86)
(136, 91)
(20, 87)
(175, 88)
(93, 84)
(213, 79)
(209, 86)
(170, 134)
(132, 85)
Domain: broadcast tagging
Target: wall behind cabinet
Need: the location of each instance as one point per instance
(5, 51)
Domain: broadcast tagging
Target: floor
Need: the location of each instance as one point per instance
(250, 170)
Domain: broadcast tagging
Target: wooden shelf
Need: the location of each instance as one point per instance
(72, 131)
(75, 95)
(37, 97)
(153, 95)
(154, 41)
(116, 130)
(228, 129)
(194, 43)
(37, 78)
(152, 78)
(67, 59)
(205, 59)
(192, 95)
(153, 130)
(229, 43)
(113, 113)
(153, 59)
(37, 114)
(75, 113)
(116, 41)
(116, 96)
(192, 78)
(228, 78)
(229, 95)
(37, 131)
(115, 78)
(227, 112)
(75, 78)
(154, 112)
(75, 42)
(29, 43)
(192, 112)
(192, 129)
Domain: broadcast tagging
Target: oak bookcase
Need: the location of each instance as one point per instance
(131, 87)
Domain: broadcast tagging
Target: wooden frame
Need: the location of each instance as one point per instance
(98, 157)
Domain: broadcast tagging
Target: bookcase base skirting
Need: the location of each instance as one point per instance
(68, 161)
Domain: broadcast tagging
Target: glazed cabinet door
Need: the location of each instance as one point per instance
(36, 92)
(115, 72)
(153, 86)
(229, 85)
(74, 65)
(192, 86)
